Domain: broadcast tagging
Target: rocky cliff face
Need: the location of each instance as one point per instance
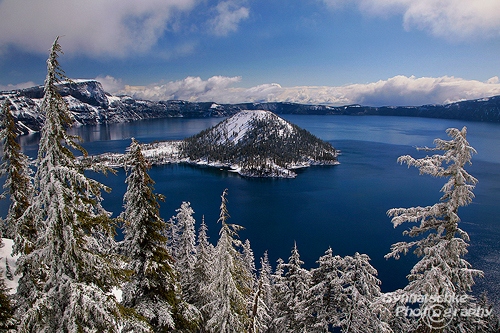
(91, 105)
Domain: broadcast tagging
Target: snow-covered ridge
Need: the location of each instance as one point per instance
(91, 105)
(252, 143)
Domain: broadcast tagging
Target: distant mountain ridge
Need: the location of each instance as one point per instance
(90, 104)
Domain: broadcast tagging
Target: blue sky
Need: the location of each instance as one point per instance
(371, 52)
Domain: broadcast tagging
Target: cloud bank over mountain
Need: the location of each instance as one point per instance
(396, 91)
(452, 48)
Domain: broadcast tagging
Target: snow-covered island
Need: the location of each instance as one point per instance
(253, 143)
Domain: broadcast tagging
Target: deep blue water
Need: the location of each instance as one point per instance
(343, 206)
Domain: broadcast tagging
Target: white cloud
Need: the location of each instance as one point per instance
(452, 19)
(91, 27)
(229, 15)
(402, 90)
(190, 89)
(493, 80)
(396, 91)
(110, 84)
(23, 85)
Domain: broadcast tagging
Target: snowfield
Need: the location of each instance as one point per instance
(7, 259)
(238, 126)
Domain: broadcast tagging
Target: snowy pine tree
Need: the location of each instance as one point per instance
(326, 293)
(491, 323)
(292, 294)
(345, 294)
(279, 288)
(256, 308)
(154, 290)
(360, 309)
(249, 263)
(70, 280)
(7, 321)
(248, 280)
(441, 269)
(259, 312)
(262, 305)
(228, 307)
(202, 275)
(18, 181)
(12, 162)
(19, 186)
(183, 245)
(266, 282)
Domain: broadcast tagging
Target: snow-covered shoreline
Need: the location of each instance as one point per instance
(168, 152)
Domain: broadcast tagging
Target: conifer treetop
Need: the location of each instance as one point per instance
(54, 108)
(16, 168)
(441, 270)
(71, 267)
(8, 138)
(441, 218)
(230, 229)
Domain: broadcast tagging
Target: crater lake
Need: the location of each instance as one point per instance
(343, 207)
